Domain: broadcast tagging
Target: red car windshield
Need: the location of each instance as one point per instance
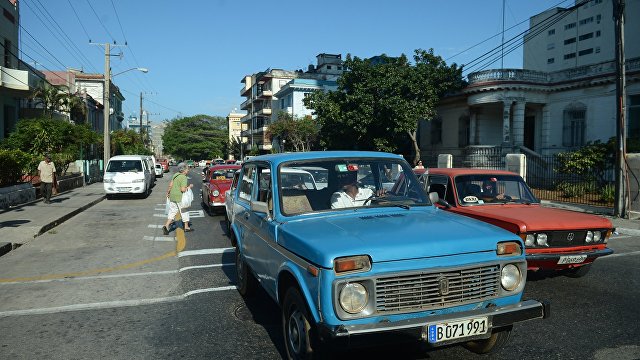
(489, 189)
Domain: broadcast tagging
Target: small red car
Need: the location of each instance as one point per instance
(554, 239)
(216, 182)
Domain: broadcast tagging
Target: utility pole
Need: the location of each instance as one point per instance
(621, 194)
(141, 136)
(107, 108)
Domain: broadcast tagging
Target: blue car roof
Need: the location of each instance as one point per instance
(312, 155)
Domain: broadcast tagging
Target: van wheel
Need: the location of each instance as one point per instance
(491, 345)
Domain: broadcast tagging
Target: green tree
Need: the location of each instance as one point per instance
(298, 133)
(196, 137)
(57, 98)
(63, 140)
(128, 142)
(380, 101)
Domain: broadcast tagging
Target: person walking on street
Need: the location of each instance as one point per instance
(47, 173)
(177, 187)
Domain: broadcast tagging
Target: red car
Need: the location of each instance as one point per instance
(165, 164)
(554, 239)
(216, 182)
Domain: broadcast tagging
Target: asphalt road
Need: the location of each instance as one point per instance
(107, 284)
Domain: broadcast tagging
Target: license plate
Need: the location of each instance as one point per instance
(457, 329)
(572, 259)
(124, 189)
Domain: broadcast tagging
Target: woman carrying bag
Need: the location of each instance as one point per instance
(178, 188)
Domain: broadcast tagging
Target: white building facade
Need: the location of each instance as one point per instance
(565, 100)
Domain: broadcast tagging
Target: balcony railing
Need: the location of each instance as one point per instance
(18, 79)
(523, 75)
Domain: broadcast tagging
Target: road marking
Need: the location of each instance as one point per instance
(206, 251)
(159, 209)
(160, 215)
(158, 238)
(99, 277)
(180, 245)
(631, 253)
(90, 306)
(152, 226)
(200, 291)
(196, 213)
(205, 266)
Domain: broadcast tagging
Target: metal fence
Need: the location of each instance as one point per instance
(549, 180)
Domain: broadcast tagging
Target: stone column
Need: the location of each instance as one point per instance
(473, 126)
(518, 123)
(546, 127)
(506, 127)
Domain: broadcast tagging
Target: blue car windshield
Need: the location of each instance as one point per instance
(347, 183)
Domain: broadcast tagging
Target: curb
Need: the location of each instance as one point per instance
(632, 232)
(68, 216)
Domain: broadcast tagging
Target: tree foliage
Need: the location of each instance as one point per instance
(57, 98)
(66, 142)
(380, 101)
(299, 134)
(196, 137)
(128, 142)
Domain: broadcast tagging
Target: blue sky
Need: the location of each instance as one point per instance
(197, 51)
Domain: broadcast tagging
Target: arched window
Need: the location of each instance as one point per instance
(574, 125)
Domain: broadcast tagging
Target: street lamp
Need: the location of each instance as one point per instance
(107, 110)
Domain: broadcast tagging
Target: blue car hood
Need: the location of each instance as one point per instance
(388, 236)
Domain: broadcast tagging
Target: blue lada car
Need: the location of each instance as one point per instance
(346, 258)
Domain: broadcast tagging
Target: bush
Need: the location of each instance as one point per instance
(13, 165)
(569, 189)
(608, 193)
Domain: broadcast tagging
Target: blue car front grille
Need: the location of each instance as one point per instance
(426, 291)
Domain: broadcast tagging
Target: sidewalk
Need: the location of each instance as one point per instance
(22, 223)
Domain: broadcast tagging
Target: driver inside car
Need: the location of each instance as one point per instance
(351, 195)
(490, 192)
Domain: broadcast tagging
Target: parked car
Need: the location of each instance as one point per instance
(391, 263)
(128, 174)
(190, 163)
(165, 164)
(159, 171)
(555, 239)
(202, 163)
(218, 161)
(230, 162)
(216, 182)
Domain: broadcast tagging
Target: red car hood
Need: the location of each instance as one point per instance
(531, 218)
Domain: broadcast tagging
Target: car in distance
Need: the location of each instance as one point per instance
(555, 239)
(388, 263)
(159, 171)
(216, 182)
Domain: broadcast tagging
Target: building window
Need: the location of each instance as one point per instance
(598, 33)
(633, 123)
(551, 46)
(7, 53)
(339, 67)
(598, 18)
(570, 26)
(569, 56)
(328, 67)
(585, 52)
(9, 16)
(597, 49)
(436, 131)
(574, 126)
(551, 60)
(463, 131)
(585, 36)
(570, 41)
(586, 21)
(551, 32)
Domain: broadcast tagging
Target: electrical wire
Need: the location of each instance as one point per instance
(79, 21)
(100, 21)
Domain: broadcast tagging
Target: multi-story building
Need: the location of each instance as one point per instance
(562, 99)
(93, 84)
(262, 92)
(17, 79)
(236, 127)
(93, 113)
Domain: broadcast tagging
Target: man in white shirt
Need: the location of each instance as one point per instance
(46, 170)
(350, 196)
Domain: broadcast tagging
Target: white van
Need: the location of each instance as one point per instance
(128, 174)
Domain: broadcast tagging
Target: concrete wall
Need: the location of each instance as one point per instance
(16, 195)
(634, 189)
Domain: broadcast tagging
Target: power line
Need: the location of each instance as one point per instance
(79, 21)
(100, 21)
